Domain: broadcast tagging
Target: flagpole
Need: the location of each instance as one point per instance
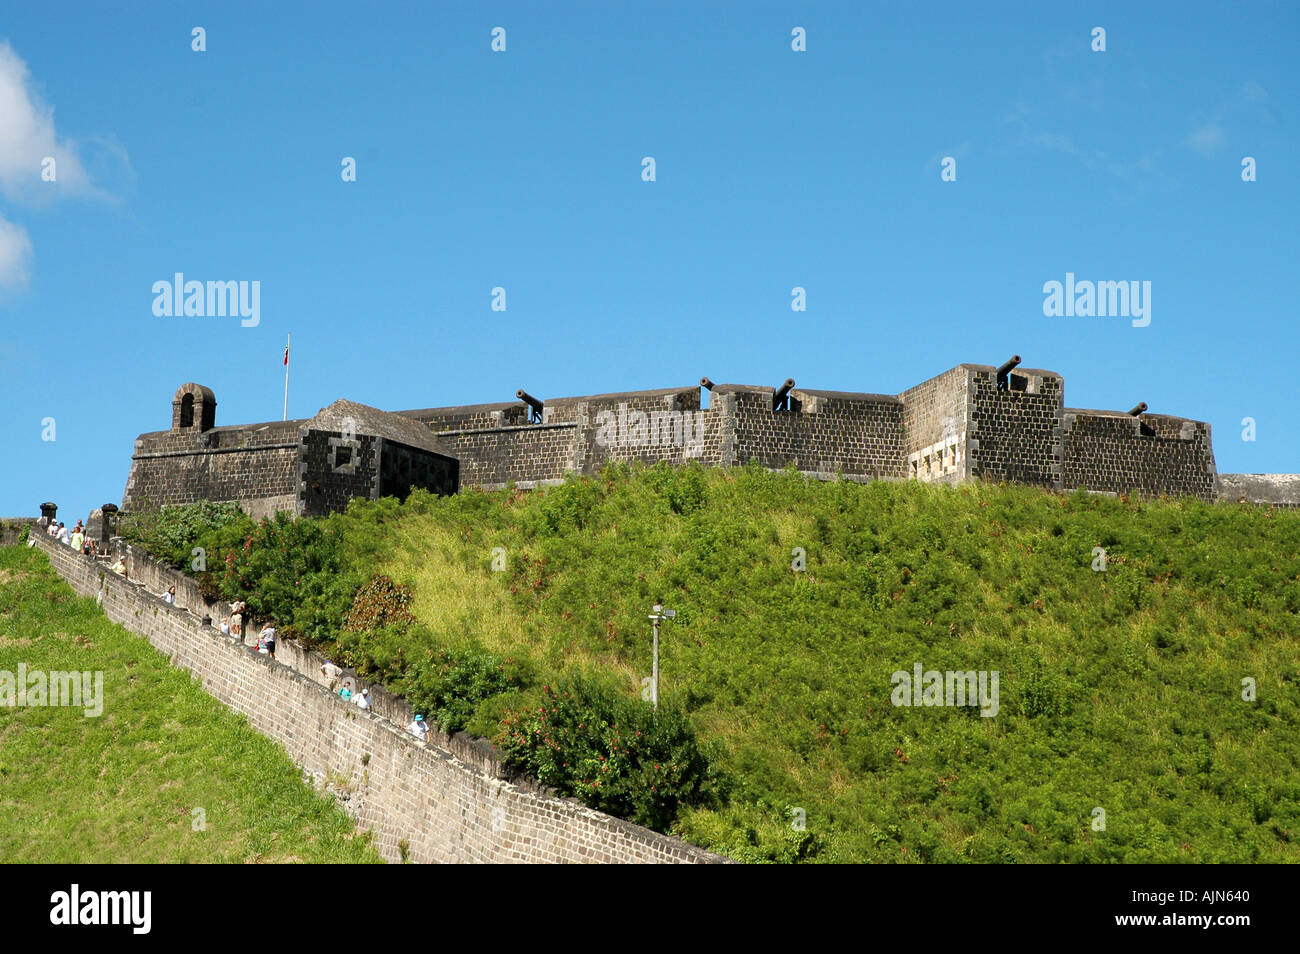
(286, 378)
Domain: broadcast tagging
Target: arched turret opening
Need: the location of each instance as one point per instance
(194, 406)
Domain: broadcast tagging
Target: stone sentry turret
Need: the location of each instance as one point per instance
(194, 406)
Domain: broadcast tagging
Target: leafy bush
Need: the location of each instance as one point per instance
(1043, 693)
(616, 754)
(682, 488)
(877, 579)
(171, 533)
(291, 571)
(377, 654)
(381, 602)
(450, 685)
(566, 508)
(764, 833)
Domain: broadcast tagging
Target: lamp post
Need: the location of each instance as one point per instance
(658, 616)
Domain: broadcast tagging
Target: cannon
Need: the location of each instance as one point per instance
(781, 399)
(1004, 370)
(1138, 408)
(535, 406)
(706, 384)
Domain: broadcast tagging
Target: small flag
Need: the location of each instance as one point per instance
(287, 339)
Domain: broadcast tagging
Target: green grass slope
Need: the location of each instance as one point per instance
(123, 787)
(1119, 690)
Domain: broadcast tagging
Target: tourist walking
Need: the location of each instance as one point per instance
(418, 729)
(331, 673)
(362, 699)
(267, 638)
(237, 620)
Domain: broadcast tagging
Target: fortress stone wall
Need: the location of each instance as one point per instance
(972, 422)
(449, 802)
(1157, 454)
(1275, 490)
(257, 466)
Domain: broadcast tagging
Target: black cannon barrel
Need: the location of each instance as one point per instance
(528, 399)
(1005, 368)
(779, 398)
(1138, 408)
(706, 383)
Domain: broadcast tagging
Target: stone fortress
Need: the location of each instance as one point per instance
(453, 801)
(973, 422)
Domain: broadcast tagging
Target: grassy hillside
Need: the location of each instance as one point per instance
(1119, 690)
(123, 787)
(1162, 691)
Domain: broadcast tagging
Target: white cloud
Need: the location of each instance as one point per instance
(1207, 139)
(29, 137)
(28, 140)
(15, 256)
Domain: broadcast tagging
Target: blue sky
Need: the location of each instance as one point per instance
(522, 169)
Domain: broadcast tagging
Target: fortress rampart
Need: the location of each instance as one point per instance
(972, 422)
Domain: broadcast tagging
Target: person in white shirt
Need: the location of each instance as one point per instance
(362, 699)
(419, 729)
(225, 626)
(331, 673)
(170, 595)
(64, 536)
(267, 639)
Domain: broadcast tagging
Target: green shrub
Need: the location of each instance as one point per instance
(682, 488)
(877, 578)
(614, 753)
(291, 571)
(170, 534)
(377, 654)
(762, 833)
(1043, 693)
(450, 684)
(381, 602)
(566, 508)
